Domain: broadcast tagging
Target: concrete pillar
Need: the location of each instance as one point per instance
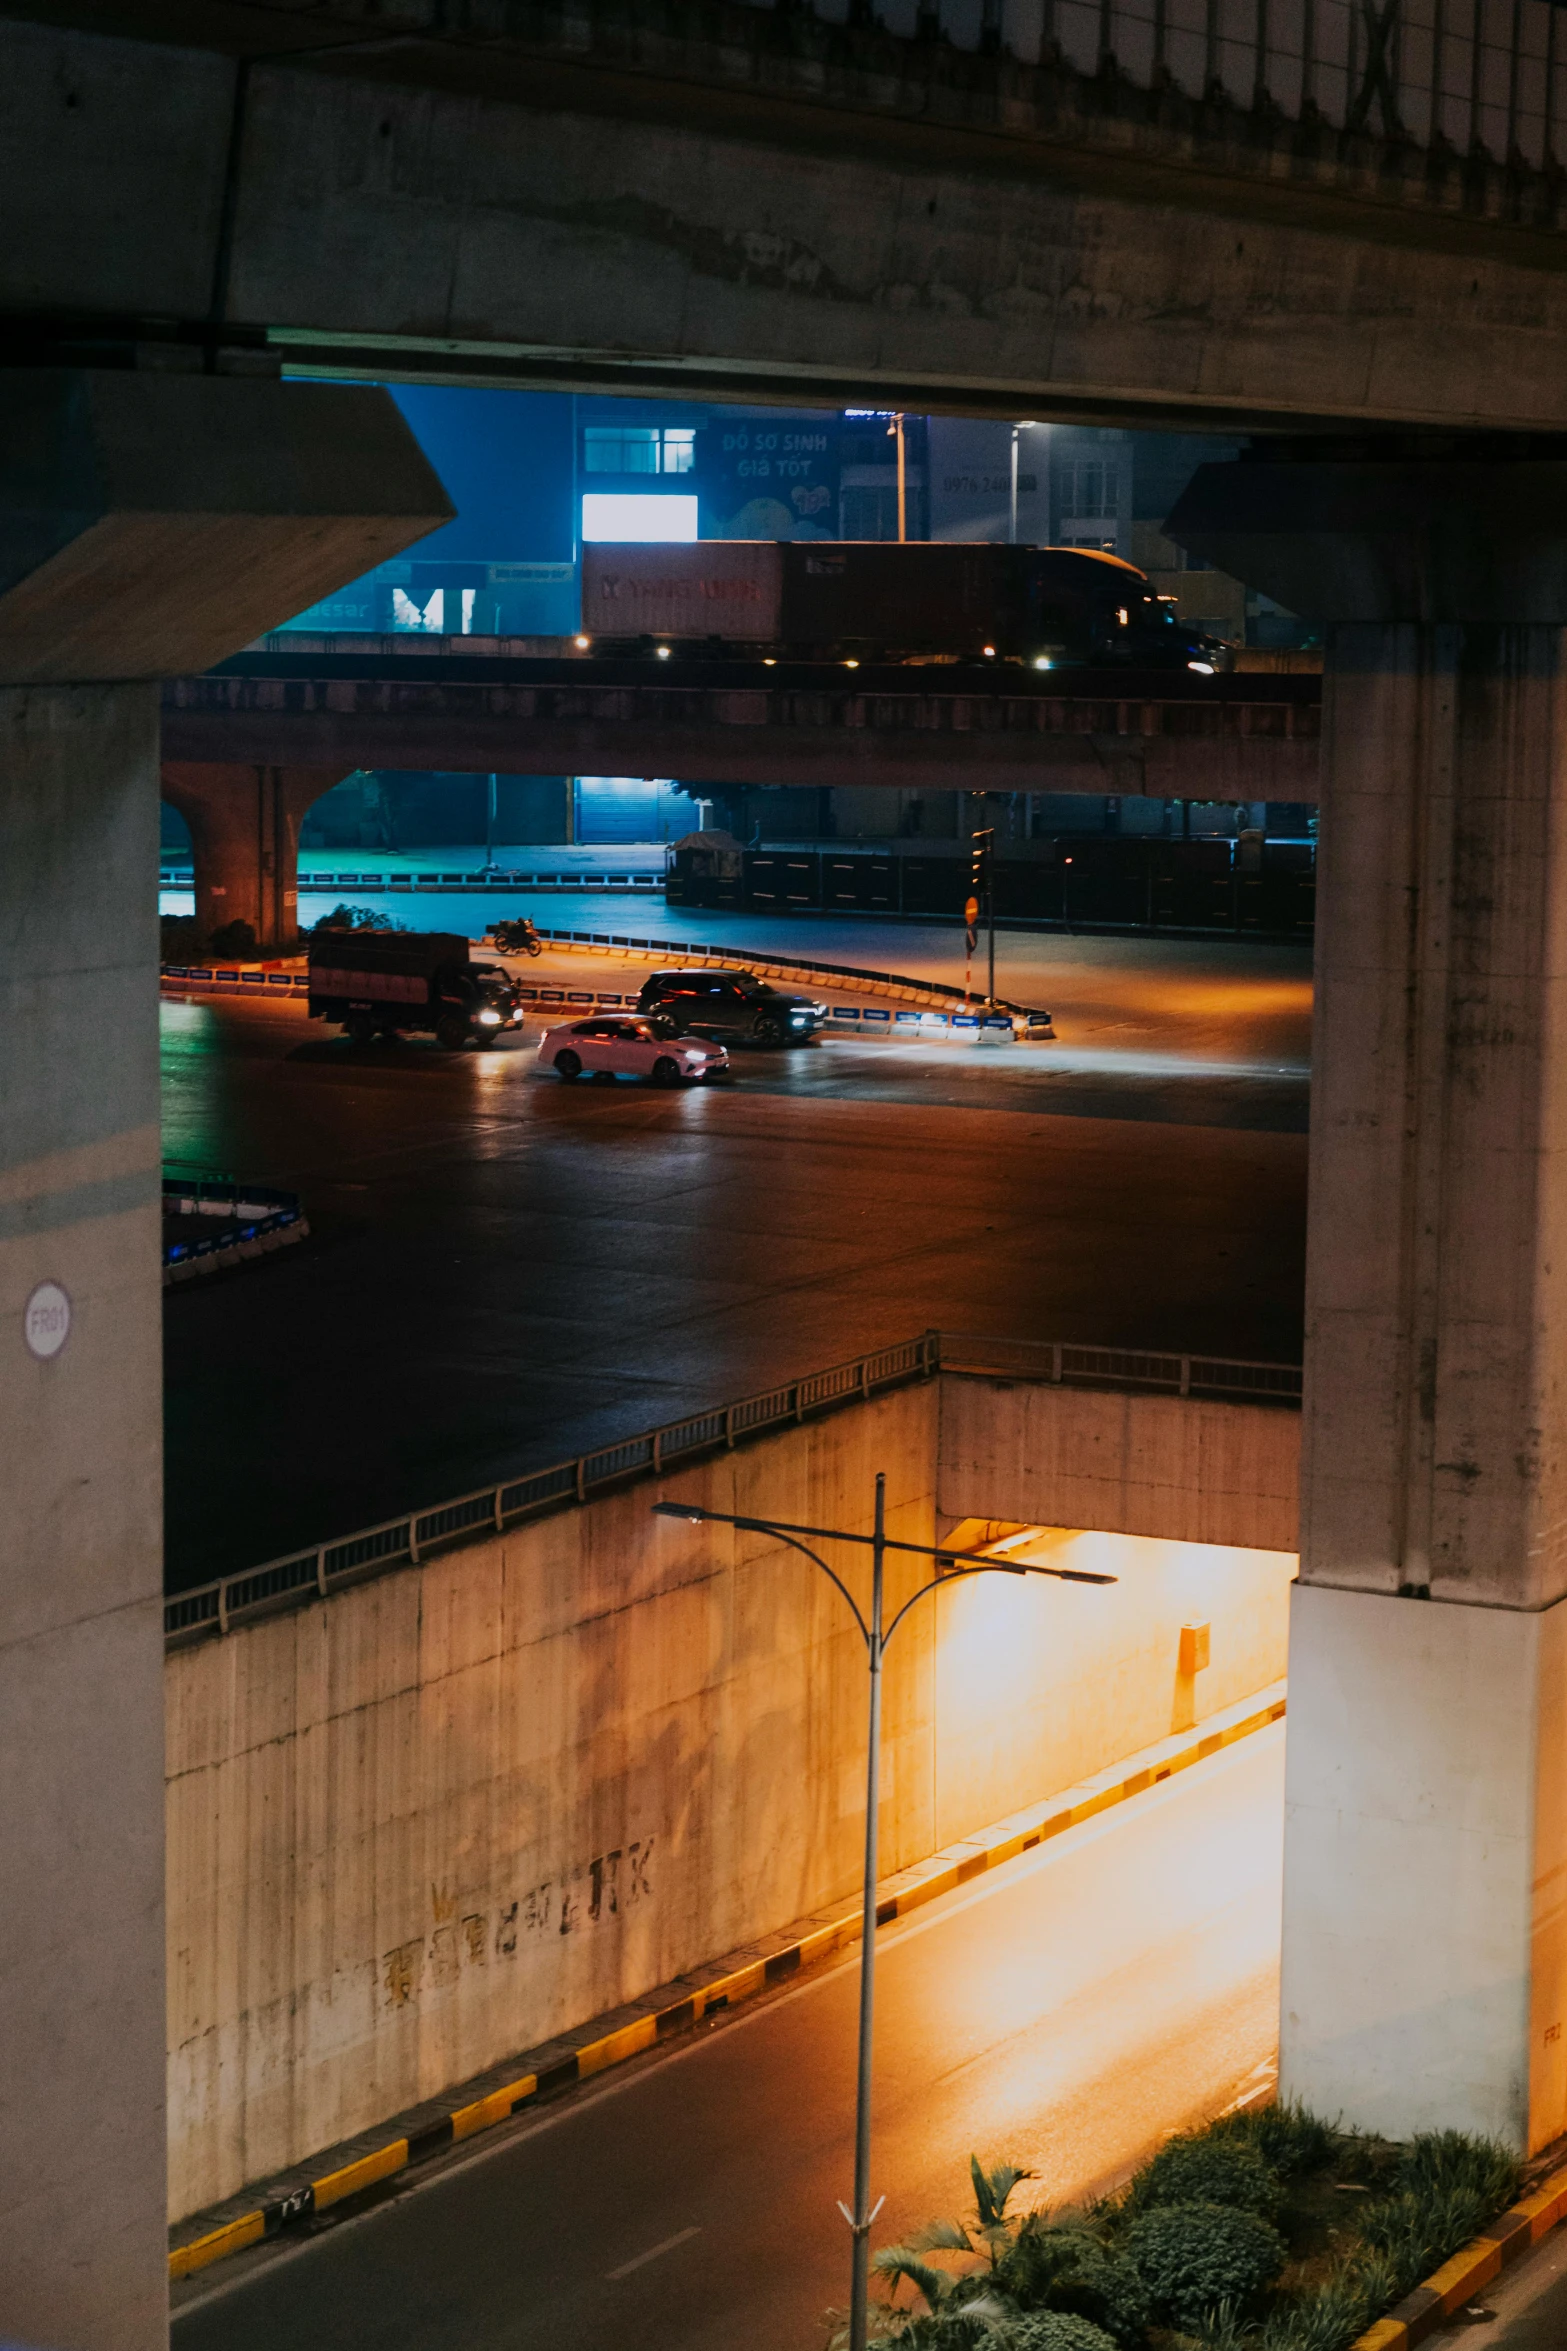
(148, 525)
(244, 829)
(1425, 1928)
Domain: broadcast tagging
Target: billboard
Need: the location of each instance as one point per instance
(768, 477)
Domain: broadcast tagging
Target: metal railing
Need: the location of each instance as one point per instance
(312, 1573)
(245, 1214)
(1136, 1368)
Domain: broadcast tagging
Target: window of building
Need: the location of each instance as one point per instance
(647, 516)
(871, 512)
(1089, 486)
(637, 449)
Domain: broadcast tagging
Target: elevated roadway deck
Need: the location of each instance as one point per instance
(1165, 734)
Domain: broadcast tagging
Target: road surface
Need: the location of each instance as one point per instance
(1065, 2014)
(506, 1271)
(1530, 2303)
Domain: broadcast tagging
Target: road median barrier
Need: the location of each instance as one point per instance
(927, 1005)
(350, 2169)
(897, 987)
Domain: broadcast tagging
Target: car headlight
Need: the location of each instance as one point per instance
(797, 1020)
(489, 1020)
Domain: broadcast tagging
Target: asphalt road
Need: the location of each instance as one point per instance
(505, 1271)
(1529, 2305)
(1064, 2014)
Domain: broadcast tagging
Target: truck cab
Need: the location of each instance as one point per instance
(388, 983)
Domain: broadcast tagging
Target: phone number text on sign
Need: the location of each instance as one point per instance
(46, 1320)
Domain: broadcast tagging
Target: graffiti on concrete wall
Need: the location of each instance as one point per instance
(582, 1898)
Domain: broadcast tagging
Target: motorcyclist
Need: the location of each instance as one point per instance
(515, 938)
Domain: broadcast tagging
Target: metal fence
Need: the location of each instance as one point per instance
(313, 1573)
(1460, 78)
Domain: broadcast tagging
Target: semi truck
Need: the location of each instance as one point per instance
(385, 983)
(878, 600)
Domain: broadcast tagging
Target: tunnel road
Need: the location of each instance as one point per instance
(1068, 2012)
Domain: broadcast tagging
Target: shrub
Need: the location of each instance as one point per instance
(356, 918)
(1067, 2269)
(1289, 2138)
(1440, 2163)
(179, 941)
(1192, 2257)
(1115, 2298)
(1207, 2170)
(1055, 2330)
(1328, 2320)
(1416, 2234)
(237, 938)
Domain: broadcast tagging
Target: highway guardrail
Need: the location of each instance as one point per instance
(314, 1571)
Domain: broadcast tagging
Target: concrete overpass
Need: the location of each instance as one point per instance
(1343, 217)
(1344, 210)
(248, 749)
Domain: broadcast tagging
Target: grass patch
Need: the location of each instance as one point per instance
(1269, 2231)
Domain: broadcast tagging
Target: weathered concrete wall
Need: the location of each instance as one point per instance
(1181, 1468)
(454, 1810)
(794, 227)
(81, 1861)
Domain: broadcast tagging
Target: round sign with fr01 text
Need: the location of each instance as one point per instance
(46, 1320)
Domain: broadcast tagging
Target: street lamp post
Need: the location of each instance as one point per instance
(1026, 426)
(876, 1638)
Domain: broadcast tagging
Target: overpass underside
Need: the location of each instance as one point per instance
(1307, 213)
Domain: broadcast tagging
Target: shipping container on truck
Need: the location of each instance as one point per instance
(882, 600)
(381, 983)
(729, 589)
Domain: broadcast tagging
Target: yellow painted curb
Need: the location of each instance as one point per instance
(909, 1890)
(1496, 2248)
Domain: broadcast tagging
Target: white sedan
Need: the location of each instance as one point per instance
(631, 1045)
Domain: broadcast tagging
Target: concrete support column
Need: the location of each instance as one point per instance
(148, 526)
(244, 829)
(1425, 1931)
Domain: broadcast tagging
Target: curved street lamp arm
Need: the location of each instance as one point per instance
(832, 1576)
(991, 1567)
(1064, 1575)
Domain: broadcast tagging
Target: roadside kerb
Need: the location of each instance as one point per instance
(495, 2096)
(1497, 2246)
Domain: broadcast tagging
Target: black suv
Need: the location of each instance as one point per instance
(731, 1006)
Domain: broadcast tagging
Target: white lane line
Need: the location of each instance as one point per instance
(653, 2253)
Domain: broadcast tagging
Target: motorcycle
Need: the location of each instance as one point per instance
(515, 938)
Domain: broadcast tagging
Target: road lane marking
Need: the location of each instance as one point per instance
(653, 2253)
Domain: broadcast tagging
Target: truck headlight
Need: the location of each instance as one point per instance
(489, 1020)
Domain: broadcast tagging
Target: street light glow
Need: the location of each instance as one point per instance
(876, 1637)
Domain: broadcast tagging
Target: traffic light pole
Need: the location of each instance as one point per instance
(981, 904)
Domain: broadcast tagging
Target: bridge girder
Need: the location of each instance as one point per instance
(755, 206)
